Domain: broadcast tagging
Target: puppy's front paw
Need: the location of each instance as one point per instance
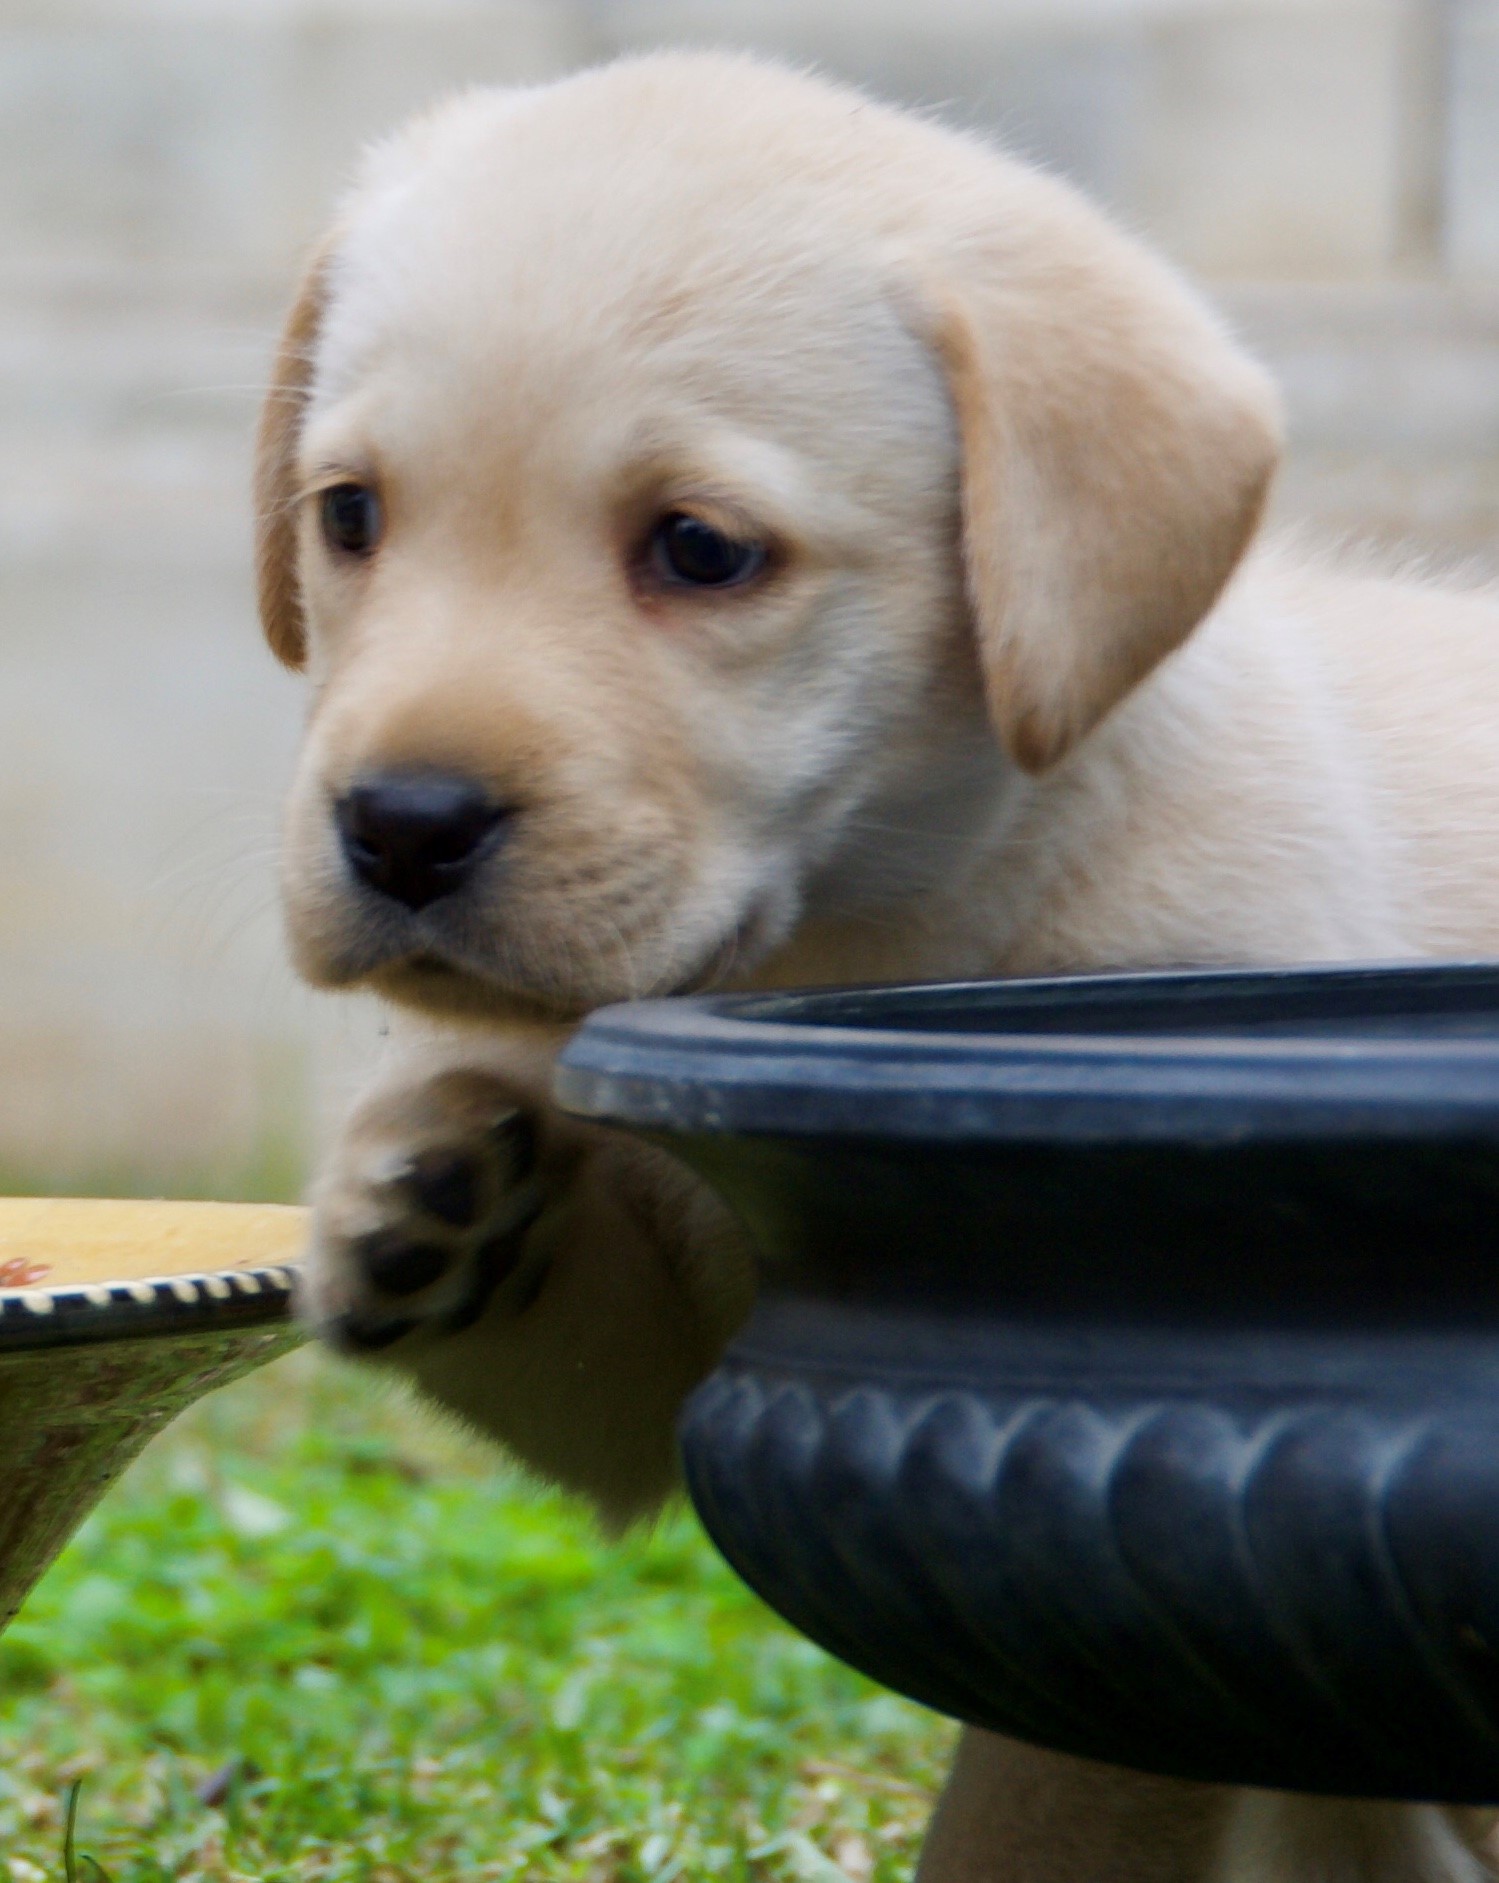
(421, 1219)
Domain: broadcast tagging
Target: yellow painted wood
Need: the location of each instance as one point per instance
(58, 1242)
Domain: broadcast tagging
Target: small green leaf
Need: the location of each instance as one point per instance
(70, 1859)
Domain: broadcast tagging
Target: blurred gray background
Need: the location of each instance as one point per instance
(1331, 166)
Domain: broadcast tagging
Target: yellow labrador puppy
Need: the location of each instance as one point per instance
(737, 533)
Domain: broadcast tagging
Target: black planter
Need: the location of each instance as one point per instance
(1126, 1376)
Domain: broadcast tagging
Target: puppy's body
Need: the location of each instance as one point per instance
(982, 694)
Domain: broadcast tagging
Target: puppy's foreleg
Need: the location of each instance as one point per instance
(1277, 1837)
(1012, 1813)
(559, 1286)
(1016, 1814)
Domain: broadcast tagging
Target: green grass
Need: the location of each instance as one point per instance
(420, 1668)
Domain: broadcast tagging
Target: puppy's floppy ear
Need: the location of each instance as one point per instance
(276, 444)
(1116, 449)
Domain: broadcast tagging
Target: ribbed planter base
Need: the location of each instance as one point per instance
(1126, 1373)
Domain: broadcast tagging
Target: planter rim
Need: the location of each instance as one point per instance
(139, 1279)
(1322, 1052)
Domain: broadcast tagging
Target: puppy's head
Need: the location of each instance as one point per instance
(680, 480)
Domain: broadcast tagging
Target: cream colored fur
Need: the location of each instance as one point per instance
(1007, 701)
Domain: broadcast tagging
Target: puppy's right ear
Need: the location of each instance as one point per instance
(276, 443)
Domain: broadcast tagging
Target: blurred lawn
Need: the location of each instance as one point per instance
(426, 1670)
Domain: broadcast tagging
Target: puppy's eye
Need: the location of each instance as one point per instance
(686, 550)
(351, 518)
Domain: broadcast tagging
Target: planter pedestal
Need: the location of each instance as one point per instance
(114, 1317)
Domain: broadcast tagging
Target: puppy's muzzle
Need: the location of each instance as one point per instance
(418, 836)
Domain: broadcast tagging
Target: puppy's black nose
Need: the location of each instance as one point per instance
(416, 837)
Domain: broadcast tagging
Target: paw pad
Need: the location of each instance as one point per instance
(445, 1184)
(354, 1333)
(397, 1266)
(436, 1231)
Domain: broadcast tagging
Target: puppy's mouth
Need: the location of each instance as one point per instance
(437, 985)
(436, 982)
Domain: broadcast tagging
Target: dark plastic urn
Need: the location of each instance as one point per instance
(1126, 1372)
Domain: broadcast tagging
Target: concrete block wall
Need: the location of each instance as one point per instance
(171, 140)
(1333, 163)
(1470, 154)
(1323, 139)
(1251, 140)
